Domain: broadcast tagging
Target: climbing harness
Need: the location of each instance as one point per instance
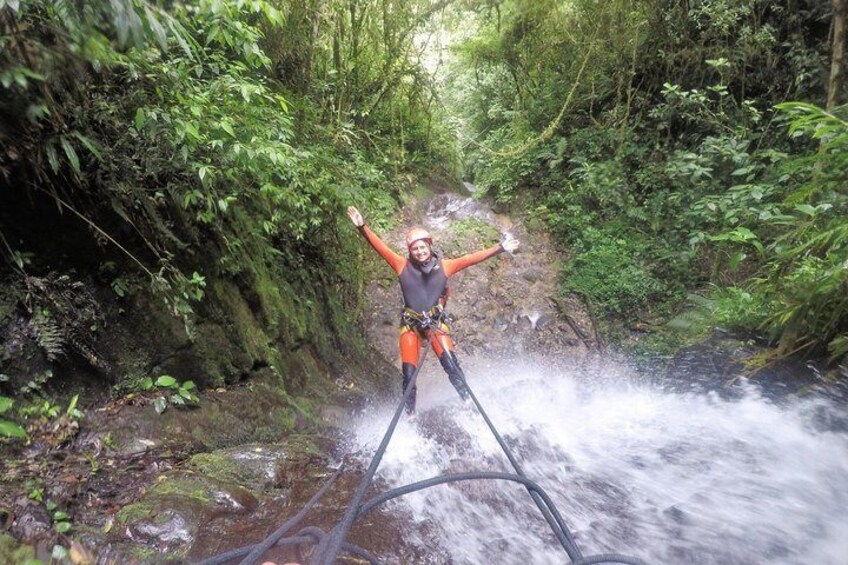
(433, 319)
(330, 544)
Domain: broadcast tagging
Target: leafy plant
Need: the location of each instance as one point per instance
(181, 392)
(612, 277)
(7, 427)
(61, 519)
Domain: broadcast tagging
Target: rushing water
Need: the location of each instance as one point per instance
(634, 468)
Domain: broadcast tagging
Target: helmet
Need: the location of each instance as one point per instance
(417, 234)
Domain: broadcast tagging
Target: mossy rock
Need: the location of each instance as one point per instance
(251, 466)
(13, 553)
(168, 517)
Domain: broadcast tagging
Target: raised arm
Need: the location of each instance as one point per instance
(393, 259)
(452, 266)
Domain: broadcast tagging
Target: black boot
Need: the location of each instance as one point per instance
(408, 372)
(455, 375)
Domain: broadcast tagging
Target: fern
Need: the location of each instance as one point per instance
(50, 337)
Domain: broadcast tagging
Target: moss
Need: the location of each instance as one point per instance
(244, 326)
(252, 415)
(304, 444)
(164, 494)
(13, 553)
(221, 466)
(223, 429)
(147, 554)
(285, 417)
(470, 234)
(217, 358)
(190, 488)
(134, 512)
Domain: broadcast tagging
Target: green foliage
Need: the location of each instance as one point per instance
(796, 212)
(177, 135)
(667, 172)
(7, 427)
(611, 275)
(181, 392)
(61, 520)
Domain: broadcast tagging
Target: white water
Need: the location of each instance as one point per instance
(667, 477)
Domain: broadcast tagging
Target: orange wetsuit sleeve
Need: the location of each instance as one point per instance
(451, 266)
(393, 259)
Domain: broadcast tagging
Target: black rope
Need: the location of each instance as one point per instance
(308, 535)
(253, 551)
(550, 512)
(269, 542)
(476, 475)
(330, 546)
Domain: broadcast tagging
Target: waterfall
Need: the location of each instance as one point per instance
(633, 467)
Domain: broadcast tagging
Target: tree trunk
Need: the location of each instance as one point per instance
(840, 14)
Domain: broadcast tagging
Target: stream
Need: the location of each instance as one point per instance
(634, 468)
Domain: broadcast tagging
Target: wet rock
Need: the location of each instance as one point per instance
(168, 517)
(31, 520)
(523, 322)
(252, 467)
(532, 275)
(168, 526)
(543, 321)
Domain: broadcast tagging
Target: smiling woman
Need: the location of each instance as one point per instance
(424, 285)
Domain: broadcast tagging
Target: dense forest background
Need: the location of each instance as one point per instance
(191, 160)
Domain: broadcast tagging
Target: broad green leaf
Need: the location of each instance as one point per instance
(806, 209)
(140, 119)
(73, 404)
(166, 381)
(156, 28)
(11, 429)
(59, 552)
(6, 403)
(35, 112)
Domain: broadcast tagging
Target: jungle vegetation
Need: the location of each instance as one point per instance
(697, 149)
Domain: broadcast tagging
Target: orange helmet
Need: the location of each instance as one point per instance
(417, 234)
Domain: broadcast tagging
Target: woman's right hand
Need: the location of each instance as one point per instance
(355, 216)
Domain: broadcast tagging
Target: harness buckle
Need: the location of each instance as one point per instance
(424, 320)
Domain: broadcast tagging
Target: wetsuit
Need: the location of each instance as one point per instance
(424, 288)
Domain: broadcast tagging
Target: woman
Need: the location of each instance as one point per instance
(423, 282)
